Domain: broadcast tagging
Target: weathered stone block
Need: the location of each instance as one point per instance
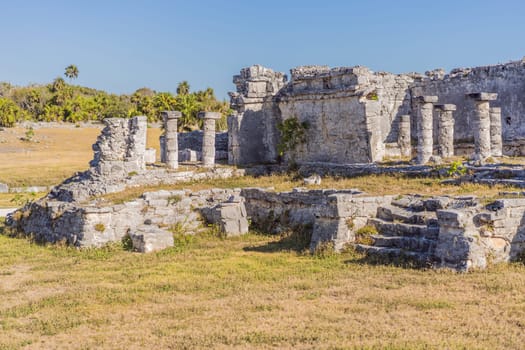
(330, 231)
(231, 216)
(150, 238)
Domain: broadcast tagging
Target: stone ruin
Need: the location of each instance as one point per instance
(357, 116)
(353, 119)
(74, 211)
(188, 146)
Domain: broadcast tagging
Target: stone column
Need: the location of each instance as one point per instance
(171, 142)
(234, 149)
(496, 142)
(445, 129)
(404, 138)
(482, 124)
(425, 140)
(208, 138)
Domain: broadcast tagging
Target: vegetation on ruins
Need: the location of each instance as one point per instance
(59, 101)
(293, 133)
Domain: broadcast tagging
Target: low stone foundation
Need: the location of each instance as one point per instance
(458, 233)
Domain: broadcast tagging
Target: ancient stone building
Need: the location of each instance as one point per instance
(354, 115)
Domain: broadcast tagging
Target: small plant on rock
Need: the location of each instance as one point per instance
(127, 242)
(364, 235)
(100, 227)
(174, 199)
(456, 169)
(372, 96)
(350, 223)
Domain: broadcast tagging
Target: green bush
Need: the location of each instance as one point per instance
(10, 113)
(293, 133)
(60, 101)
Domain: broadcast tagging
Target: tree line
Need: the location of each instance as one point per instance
(64, 102)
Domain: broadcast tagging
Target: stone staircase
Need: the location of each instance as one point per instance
(407, 230)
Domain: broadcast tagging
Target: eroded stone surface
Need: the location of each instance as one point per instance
(150, 238)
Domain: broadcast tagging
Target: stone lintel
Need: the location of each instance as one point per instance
(210, 115)
(446, 107)
(171, 114)
(426, 99)
(483, 96)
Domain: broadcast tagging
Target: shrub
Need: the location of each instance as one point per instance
(10, 113)
(293, 133)
(364, 235)
(127, 242)
(456, 169)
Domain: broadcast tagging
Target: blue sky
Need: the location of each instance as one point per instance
(120, 46)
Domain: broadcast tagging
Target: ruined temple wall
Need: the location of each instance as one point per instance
(336, 130)
(252, 130)
(389, 99)
(352, 114)
(507, 80)
(254, 134)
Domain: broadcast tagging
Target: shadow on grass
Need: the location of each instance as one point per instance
(297, 240)
(396, 260)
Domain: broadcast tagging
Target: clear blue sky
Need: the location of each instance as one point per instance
(120, 45)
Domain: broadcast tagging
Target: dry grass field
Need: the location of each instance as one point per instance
(53, 154)
(244, 293)
(253, 292)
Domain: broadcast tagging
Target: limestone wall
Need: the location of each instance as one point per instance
(477, 237)
(95, 224)
(332, 216)
(252, 130)
(351, 114)
(120, 147)
(354, 114)
(507, 80)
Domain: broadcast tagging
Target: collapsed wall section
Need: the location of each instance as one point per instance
(93, 224)
(120, 147)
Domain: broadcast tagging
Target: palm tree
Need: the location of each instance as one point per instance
(183, 88)
(71, 72)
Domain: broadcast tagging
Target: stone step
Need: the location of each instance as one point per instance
(413, 244)
(414, 203)
(418, 203)
(394, 213)
(393, 254)
(389, 228)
